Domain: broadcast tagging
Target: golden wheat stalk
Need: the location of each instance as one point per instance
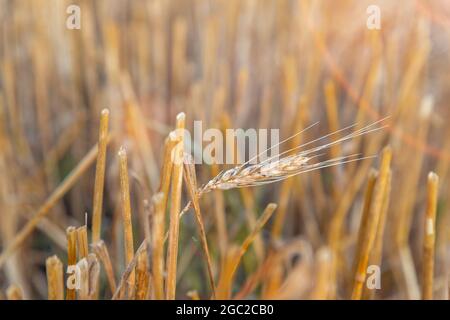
(177, 180)
(102, 253)
(14, 292)
(277, 168)
(126, 214)
(374, 213)
(157, 245)
(71, 256)
(45, 209)
(100, 177)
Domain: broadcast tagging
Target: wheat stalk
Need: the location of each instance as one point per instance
(274, 170)
(45, 209)
(55, 278)
(271, 170)
(14, 293)
(429, 237)
(71, 256)
(246, 175)
(191, 183)
(177, 179)
(142, 276)
(374, 214)
(82, 242)
(157, 245)
(377, 252)
(324, 260)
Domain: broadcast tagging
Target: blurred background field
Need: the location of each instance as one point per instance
(231, 64)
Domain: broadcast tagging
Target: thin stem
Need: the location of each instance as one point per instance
(126, 214)
(429, 237)
(100, 177)
(45, 209)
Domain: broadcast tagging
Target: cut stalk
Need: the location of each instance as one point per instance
(377, 252)
(177, 180)
(126, 215)
(375, 212)
(94, 274)
(323, 275)
(142, 276)
(55, 278)
(82, 242)
(429, 237)
(14, 293)
(365, 216)
(83, 280)
(71, 256)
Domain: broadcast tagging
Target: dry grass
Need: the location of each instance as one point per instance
(126, 216)
(55, 278)
(71, 256)
(157, 246)
(100, 177)
(338, 92)
(174, 225)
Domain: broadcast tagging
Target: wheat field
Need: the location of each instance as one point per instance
(99, 198)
